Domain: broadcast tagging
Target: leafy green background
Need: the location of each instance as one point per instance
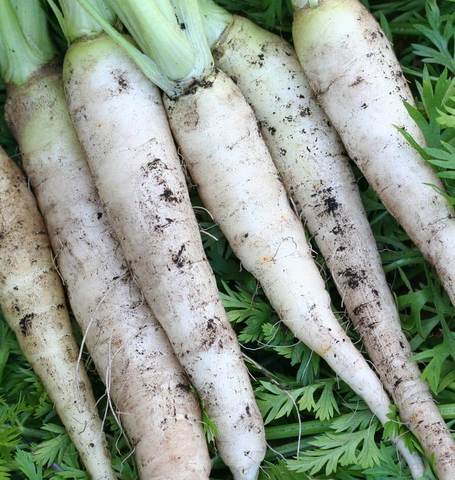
(316, 427)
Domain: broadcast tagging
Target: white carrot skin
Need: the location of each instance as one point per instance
(33, 304)
(315, 169)
(238, 183)
(130, 350)
(123, 128)
(358, 80)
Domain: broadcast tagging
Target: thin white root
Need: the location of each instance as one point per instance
(33, 303)
(359, 82)
(249, 203)
(140, 180)
(146, 388)
(413, 460)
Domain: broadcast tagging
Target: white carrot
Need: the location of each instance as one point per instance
(315, 170)
(33, 304)
(151, 394)
(121, 122)
(247, 200)
(359, 82)
(238, 182)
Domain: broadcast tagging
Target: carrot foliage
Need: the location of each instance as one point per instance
(315, 424)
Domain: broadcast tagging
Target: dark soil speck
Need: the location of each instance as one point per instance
(168, 196)
(178, 258)
(25, 323)
(184, 387)
(353, 277)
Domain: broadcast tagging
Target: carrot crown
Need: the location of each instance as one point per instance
(170, 33)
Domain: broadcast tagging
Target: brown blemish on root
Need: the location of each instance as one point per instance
(337, 230)
(184, 387)
(80, 112)
(357, 81)
(160, 227)
(212, 334)
(156, 163)
(353, 277)
(330, 203)
(169, 196)
(122, 82)
(197, 85)
(360, 309)
(25, 323)
(325, 350)
(178, 257)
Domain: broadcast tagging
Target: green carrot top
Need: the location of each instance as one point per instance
(75, 22)
(170, 34)
(216, 20)
(25, 43)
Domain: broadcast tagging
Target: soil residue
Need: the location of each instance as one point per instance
(25, 323)
(178, 258)
(169, 196)
(354, 278)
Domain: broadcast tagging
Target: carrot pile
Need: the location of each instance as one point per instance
(266, 133)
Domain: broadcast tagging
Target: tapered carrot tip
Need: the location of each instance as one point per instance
(413, 460)
(251, 473)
